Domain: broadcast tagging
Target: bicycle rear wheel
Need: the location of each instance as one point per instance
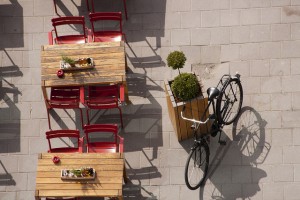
(230, 101)
(196, 166)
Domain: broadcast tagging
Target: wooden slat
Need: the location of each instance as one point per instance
(78, 161)
(76, 186)
(58, 180)
(42, 174)
(86, 193)
(79, 46)
(97, 167)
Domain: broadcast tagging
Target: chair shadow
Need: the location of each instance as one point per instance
(237, 163)
(6, 178)
(10, 114)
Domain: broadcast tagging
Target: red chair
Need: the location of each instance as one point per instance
(106, 34)
(93, 7)
(95, 135)
(103, 97)
(60, 134)
(79, 38)
(64, 98)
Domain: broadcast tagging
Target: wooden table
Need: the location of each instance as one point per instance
(109, 61)
(108, 182)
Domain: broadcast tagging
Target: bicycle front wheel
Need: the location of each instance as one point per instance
(196, 166)
(230, 101)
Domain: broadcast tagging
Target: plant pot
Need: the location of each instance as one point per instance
(194, 109)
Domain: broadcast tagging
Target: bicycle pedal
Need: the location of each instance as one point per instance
(222, 142)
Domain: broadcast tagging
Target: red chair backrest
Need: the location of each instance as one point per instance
(106, 16)
(103, 91)
(103, 130)
(62, 134)
(72, 20)
(65, 96)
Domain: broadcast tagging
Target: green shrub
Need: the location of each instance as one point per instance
(176, 59)
(186, 86)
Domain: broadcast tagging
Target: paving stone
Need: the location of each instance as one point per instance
(230, 17)
(288, 14)
(296, 136)
(180, 37)
(172, 20)
(271, 85)
(181, 5)
(290, 155)
(282, 137)
(260, 3)
(296, 172)
(231, 190)
(289, 83)
(230, 52)
(200, 36)
(281, 101)
(253, 191)
(262, 174)
(273, 191)
(169, 192)
(271, 15)
(260, 68)
(25, 195)
(289, 119)
(280, 67)
(289, 49)
(215, 36)
(291, 191)
(250, 16)
(261, 102)
(281, 32)
(210, 18)
(270, 50)
(177, 175)
(260, 33)
(240, 4)
(281, 2)
(210, 54)
(8, 195)
(190, 19)
(250, 51)
(283, 173)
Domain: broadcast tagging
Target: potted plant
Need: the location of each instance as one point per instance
(185, 89)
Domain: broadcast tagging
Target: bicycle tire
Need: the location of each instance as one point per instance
(202, 169)
(231, 94)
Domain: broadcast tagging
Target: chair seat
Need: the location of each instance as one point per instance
(100, 147)
(70, 39)
(107, 36)
(102, 102)
(64, 103)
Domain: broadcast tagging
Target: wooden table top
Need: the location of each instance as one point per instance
(109, 61)
(108, 182)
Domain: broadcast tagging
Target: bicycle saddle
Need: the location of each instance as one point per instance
(212, 93)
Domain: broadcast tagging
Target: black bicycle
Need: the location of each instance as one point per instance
(226, 100)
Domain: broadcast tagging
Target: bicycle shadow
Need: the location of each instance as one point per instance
(234, 171)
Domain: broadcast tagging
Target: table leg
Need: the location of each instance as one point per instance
(82, 94)
(126, 179)
(120, 198)
(37, 195)
(44, 91)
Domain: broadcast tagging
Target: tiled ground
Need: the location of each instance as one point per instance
(258, 38)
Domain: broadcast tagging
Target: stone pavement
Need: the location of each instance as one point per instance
(257, 38)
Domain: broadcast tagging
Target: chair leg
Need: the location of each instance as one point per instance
(54, 2)
(125, 9)
(48, 113)
(121, 117)
(87, 5)
(87, 116)
(93, 7)
(81, 117)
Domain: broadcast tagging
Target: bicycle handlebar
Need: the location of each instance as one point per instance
(192, 120)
